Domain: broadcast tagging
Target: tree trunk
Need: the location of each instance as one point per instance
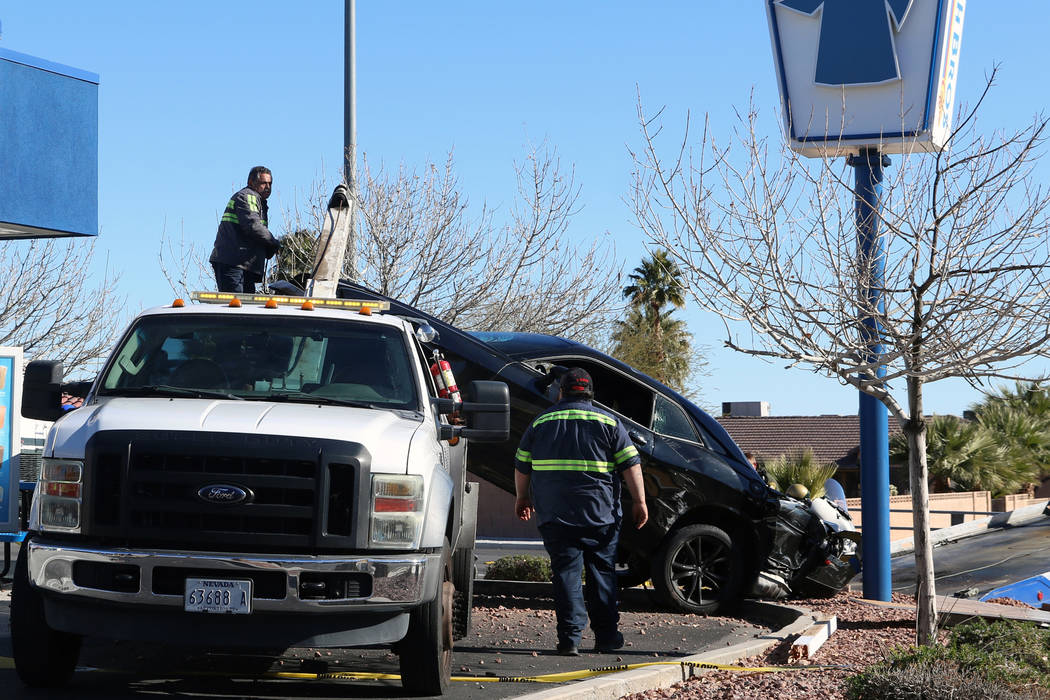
(658, 340)
(926, 603)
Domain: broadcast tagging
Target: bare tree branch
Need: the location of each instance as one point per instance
(420, 242)
(767, 242)
(48, 309)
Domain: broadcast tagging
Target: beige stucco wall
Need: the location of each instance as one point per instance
(1014, 501)
(901, 522)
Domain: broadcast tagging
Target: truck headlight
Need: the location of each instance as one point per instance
(397, 511)
(60, 494)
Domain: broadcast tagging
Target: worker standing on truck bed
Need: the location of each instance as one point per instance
(573, 455)
(243, 242)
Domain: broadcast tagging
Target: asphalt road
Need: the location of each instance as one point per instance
(511, 637)
(135, 670)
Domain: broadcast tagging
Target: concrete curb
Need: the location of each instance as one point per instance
(616, 685)
(1014, 518)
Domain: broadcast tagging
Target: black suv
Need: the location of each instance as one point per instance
(716, 530)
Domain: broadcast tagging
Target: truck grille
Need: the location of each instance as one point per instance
(291, 494)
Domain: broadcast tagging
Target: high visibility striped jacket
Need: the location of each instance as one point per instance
(242, 239)
(574, 453)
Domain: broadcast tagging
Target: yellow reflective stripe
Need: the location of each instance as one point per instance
(575, 414)
(523, 456)
(231, 217)
(625, 454)
(253, 203)
(571, 465)
(230, 205)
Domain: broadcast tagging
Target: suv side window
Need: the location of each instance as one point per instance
(615, 391)
(670, 419)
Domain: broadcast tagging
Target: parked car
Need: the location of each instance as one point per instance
(716, 529)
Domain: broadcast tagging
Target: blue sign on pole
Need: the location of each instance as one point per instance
(847, 24)
(855, 74)
(864, 78)
(874, 422)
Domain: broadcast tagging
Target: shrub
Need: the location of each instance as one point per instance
(799, 467)
(1000, 659)
(520, 567)
(927, 681)
(1007, 651)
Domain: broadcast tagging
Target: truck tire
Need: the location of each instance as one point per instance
(463, 579)
(426, 651)
(697, 570)
(44, 658)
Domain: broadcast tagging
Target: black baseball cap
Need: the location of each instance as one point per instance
(577, 382)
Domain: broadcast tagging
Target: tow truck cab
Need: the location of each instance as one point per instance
(256, 471)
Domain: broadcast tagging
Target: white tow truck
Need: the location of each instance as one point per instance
(255, 471)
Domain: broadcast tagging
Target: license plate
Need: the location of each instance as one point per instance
(212, 595)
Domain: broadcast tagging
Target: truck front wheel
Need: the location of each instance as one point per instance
(426, 651)
(44, 658)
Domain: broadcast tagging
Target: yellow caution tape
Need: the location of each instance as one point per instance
(560, 677)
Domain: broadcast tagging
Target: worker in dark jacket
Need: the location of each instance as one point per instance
(573, 456)
(243, 244)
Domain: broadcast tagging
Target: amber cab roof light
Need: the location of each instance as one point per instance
(272, 301)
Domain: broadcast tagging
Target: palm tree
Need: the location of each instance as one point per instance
(674, 364)
(1024, 440)
(1019, 419)
(1031, 397)
(971, 456)
(657, 282)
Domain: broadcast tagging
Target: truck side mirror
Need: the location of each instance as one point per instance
(487, 411)
(42, 390)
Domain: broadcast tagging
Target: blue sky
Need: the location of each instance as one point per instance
(192, 95)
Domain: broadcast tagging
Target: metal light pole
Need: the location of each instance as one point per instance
(350, 126)
(874, 434)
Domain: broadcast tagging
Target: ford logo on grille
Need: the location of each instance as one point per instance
(223, 493)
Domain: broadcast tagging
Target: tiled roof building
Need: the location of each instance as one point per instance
(832, 439)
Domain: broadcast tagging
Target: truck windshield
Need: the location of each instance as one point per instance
(278, 358)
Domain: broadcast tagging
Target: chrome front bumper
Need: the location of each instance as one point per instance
(399, 581)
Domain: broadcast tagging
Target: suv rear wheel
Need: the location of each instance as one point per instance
(697, 570)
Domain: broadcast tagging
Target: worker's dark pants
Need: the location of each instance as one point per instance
(229, 278)
(595, 549)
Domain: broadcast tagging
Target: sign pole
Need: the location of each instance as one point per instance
(874, 434)
(350, 126)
